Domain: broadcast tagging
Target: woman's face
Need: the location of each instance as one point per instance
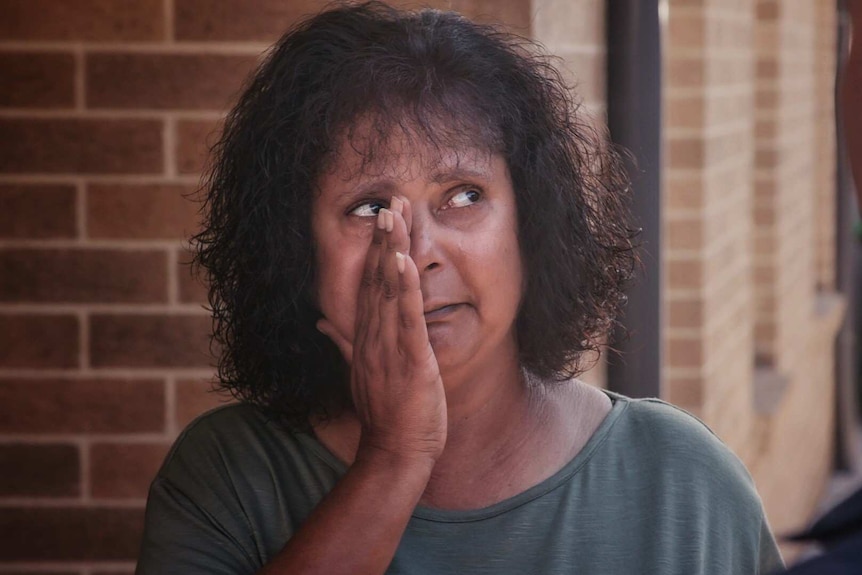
(463, 240)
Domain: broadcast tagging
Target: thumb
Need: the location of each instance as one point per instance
(325, 327)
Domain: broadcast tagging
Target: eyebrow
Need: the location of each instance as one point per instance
(459, 173)
(380, 187)
(387, 187)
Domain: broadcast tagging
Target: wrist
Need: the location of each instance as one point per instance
(371, 456)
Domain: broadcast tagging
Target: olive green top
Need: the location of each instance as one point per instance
(652, 492)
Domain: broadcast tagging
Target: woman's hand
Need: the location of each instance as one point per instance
(395, 380)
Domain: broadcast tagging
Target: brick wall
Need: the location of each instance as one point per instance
(795, 197)
(785, 178)
(103, 339)
(824, 70)
(707, 200)
(749, 221)
(106, 111)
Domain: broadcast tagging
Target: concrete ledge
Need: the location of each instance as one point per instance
(769, 387)
(770, 384)
(829, 310)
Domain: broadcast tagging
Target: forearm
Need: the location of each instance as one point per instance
(358, 525)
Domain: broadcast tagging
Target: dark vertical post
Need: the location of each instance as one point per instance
(848, 263)
(634, 119)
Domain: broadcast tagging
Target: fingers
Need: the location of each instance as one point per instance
(390, 308)
(396, 241)
(325, 327)
(366, 320)
(407, 214)
(413, 333)
(372, 259)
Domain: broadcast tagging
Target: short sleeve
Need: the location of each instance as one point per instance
(196, 520)
(724, 513)
(233, 489)
(180, 537)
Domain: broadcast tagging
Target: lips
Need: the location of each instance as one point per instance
(439, 312)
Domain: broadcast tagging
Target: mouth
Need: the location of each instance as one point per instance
(439, 313)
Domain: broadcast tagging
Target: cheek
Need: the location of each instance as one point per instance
(501, 266)
(339, 273)
(510, 276)
(509, 260)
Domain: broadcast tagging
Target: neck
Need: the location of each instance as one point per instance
(503, 436)
(488, 410)
(488, 407)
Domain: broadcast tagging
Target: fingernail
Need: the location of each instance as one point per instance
(390, 221)
(399, 261)
(381, 219)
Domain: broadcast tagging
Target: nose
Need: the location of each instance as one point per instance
(425, 246)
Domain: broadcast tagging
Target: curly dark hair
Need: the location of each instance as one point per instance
(453, 83)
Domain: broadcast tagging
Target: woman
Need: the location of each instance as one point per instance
(412, 241)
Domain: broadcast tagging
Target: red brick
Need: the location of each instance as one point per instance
(194, 397)
(37, 80)
(685, 274)
(685, 314)
(83, 275)
(125, 470)
(686, 391)
(165, 81)
(513, 14)
(266, 20)
(37, 211)
(195, 138)
(80, 146)
(39, 470)
(687, 153)
(70, 534)
(263, 20)
(43, 341)
(91, 20)
(141, 211)
(82, 406)
(191, 287)
(685, 352)
(150, 341)
(768, 10)
(767, 68)
(767, 159)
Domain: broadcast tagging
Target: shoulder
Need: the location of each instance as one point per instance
(683, 452)
(217, 430)
(232, 489)
(230, 444)
(224, 422)
(669, 431)
(664, 464)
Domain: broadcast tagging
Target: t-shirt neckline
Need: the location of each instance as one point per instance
(620, 403)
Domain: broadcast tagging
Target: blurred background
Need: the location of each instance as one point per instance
(743, 316)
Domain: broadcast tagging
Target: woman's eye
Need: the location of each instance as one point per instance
(367, 210)
(465, 198)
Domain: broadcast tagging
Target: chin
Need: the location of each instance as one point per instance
(452, 352)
